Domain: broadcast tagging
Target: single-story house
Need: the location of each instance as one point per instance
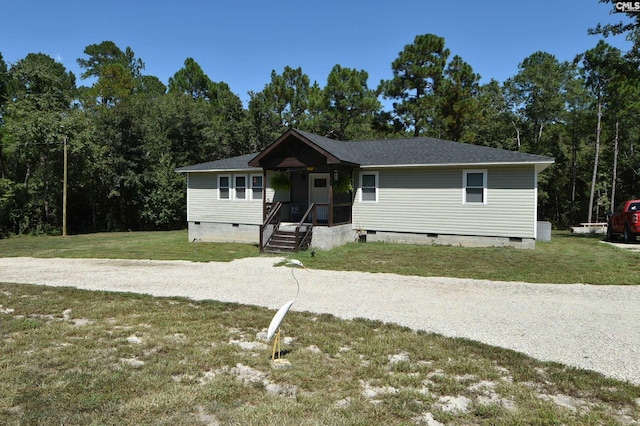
(306, 190)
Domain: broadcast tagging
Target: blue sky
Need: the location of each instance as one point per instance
(240, 42)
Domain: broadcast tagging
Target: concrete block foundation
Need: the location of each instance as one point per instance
(224, 232)
(326, 238)
(448, 240)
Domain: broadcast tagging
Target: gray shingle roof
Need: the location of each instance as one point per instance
(234, 163)
(421, 151)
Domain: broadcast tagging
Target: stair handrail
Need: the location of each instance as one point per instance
(273, 218)
(307, 232)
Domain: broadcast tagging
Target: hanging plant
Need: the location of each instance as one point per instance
(280, 181)
(343, 185)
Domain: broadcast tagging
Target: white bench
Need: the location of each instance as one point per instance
(590, 228)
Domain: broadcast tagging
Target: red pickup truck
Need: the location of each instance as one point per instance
(625, 221)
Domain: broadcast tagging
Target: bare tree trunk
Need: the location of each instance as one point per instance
(517, 134)
(595, 162)
(574, 172)
(539, 138)
(27, 175)
(615, 168)
(2, 166)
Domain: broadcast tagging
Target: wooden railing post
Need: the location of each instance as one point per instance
(273, 218)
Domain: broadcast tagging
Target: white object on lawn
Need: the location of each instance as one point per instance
(274, 326)
(279, 316)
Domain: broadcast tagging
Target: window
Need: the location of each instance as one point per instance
(240, 184)
(474, 187)
(256, 187)
(223, 188)
(369, 187)
(319, 183)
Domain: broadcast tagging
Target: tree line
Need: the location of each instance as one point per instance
(127, 132)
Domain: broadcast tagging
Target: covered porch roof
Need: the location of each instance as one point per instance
(296, 149)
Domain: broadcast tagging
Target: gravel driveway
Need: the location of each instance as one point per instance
(591, 327)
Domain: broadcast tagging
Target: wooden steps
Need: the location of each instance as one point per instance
(282, 242)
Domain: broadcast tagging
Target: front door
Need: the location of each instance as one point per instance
(319, 193)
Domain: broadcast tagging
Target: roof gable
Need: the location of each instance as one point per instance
(296, 148)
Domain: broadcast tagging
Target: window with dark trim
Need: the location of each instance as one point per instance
(474, 187)
(369, 187)
(256, 187)
(240, 184)
(224, 187)
(319, 183)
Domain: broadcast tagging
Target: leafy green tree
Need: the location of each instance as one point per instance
(188, 127)
(191, 80)
(151, 85)
(230, 123)
(574, 154)
(459, 104)
(107, 53)
(7, 191)
(613, 81)
(289, 95)
(118, 73)
(537, 96)
(630, 29)
(41, 91)
(282, 104)
(347, 105)
(114, 84)
(493, 126)
(164, 199)
(4, 84)
(225, 110)
(318, 105)
(417, 75)
(622, 97)
(265, 122)
(161, 190)
(597, 67)
(4, 90)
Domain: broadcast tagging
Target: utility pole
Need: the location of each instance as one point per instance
(64, 191)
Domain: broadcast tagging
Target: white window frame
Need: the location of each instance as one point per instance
(253, 188)
(376, 187)
(245, 187)
(228, 187)
(465, 186)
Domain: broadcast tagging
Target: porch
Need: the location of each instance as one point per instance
(310, 188)
(278, 235)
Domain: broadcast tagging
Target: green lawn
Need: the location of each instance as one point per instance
(568, 258)
(170, 245)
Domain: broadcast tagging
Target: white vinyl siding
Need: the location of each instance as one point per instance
(427, 200)
(204, 204)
